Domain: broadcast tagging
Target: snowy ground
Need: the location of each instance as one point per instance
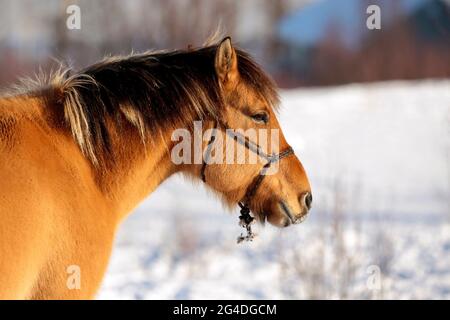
(378, 159)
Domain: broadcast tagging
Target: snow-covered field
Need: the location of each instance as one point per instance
(378, 159)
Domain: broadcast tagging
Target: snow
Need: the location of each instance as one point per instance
(377, 156)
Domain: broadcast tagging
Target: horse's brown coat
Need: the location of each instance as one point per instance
(76, 157)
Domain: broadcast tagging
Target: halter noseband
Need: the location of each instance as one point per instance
(245, 219)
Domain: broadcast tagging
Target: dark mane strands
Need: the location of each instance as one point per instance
(152, 91)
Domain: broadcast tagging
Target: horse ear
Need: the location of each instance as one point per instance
(226, 62)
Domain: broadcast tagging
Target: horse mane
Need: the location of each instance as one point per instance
(152, 91)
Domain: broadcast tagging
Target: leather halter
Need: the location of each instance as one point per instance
(245, 218)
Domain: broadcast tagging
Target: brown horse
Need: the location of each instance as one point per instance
(79, 152)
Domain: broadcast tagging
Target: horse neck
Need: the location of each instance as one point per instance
(129, 174)
(137, 170)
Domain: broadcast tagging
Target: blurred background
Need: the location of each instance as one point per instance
(367, 112)
(300, 42)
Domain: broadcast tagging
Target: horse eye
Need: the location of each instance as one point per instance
(261, 117)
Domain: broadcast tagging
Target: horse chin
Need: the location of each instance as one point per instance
(281, 216)
(278, 219)
(261, 217)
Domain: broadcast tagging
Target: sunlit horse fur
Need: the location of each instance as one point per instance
(78, 152)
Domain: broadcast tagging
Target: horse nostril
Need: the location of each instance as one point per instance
(307, 200)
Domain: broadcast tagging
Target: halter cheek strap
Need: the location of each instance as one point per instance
(245, 219)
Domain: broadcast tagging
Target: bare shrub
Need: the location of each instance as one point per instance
(327, 269)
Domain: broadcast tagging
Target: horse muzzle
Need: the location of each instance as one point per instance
(289, 216)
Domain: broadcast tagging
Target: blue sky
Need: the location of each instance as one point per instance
(311, 23)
